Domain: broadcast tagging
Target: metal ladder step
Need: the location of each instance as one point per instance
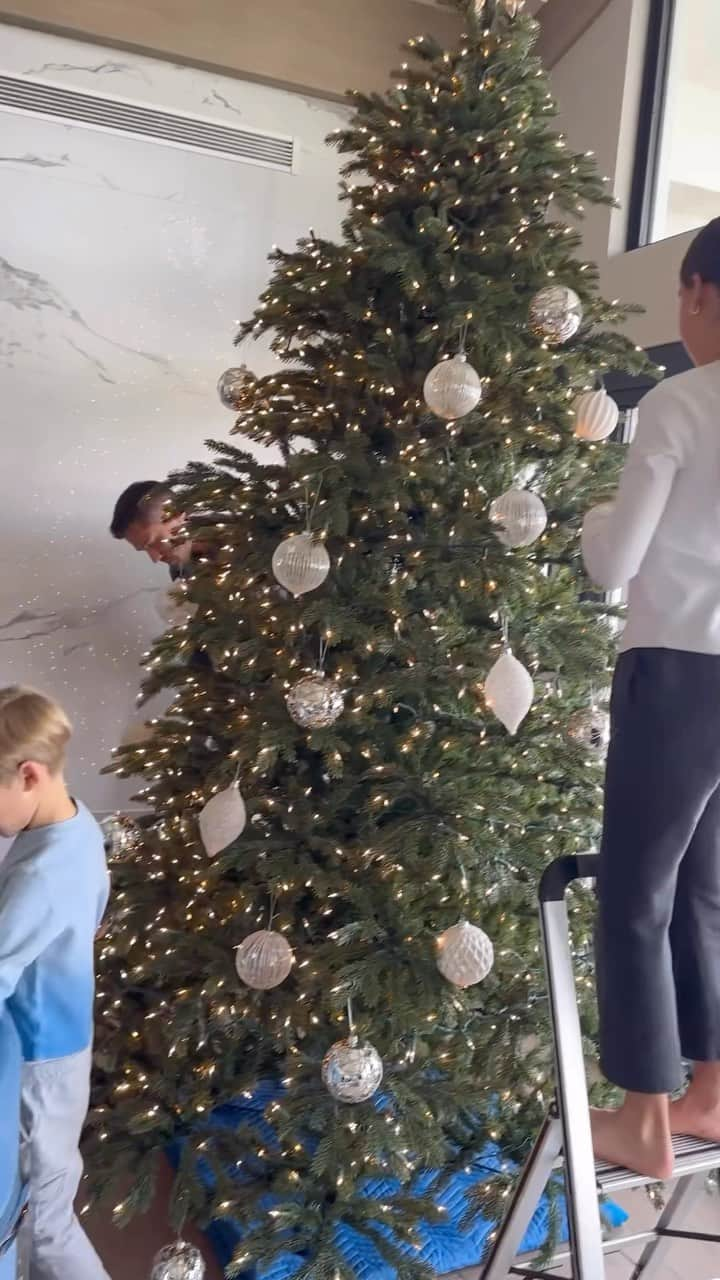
(692, 1155)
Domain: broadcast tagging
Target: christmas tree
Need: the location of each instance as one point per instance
(378, 797)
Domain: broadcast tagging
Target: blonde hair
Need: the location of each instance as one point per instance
(32, 727)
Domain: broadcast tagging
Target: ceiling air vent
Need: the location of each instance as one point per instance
(54, 102)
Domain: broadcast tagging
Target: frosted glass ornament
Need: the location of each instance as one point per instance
(590, 728)
(555, 314)
(315, 702)
(264, 960)
(233, 386)
(352, 1070)
(596, 416)
(509, 691)
(465, 954)
(520, 517)
(301, 563)
(179, 1261)
(222, 820)
(452, 389)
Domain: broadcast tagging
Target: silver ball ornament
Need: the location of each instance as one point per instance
(555, 314)
(590, 728)
(121, 836)
(465, 954)
(596, 416)
(452, 389)
(315, 702)
(179, 1261)
(519, 516)
(352, 1070)
(301, 563)
(264, 960)
(233, 385)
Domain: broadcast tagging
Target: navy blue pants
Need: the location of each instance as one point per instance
(658, 936)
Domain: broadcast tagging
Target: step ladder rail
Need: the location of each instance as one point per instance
(586, 1241)
(684, 1196)
(537, 1171)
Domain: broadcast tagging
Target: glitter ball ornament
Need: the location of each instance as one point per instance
(520, 517)
(120, 836)
(453, 388)
(179, 1261)
(465, 954)
(555, 314)
(222, 820)
(596, 416)
(590, 728)
(233, 386)
(264, 960)
(509, 691)
(352, 1070)
(314, 702)
(301, 563)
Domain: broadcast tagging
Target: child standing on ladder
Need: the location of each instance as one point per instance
(658, 944)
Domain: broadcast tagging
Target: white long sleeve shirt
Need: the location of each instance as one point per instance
(661, 536)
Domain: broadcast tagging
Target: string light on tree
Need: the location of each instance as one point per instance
(301, 563)
(178, 1261)
(222, 819)
(452, 388)
(465, 954)
(264, 960)
(520, 517)
(596, 416)
(556, 314)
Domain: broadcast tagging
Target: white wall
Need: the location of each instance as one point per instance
(124, 268)
(597, 85)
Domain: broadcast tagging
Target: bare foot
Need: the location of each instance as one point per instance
(619, 1139)
(695, 1116)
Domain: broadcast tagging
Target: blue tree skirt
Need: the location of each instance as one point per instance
(445, 1246)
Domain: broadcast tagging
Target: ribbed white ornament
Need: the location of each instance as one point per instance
(222, 820)
(178, 1261)
(264, 960)
(453, 388)
(509, 691)
(555, 314)
(301, 563)
(520, 517)
(596, 416)
(465, 954)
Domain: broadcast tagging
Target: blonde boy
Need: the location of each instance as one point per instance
(53, 892)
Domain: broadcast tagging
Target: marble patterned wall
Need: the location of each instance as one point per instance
(124, 266)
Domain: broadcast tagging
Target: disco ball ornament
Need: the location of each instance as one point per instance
(233, 386)
(121, 836)
(590, 728)
(222, 820)
(314, 702)
(179, 1261)
(555, 314)
(452, 389)
(509, 691)
(264, 960)
(596, 416)
(519, 516)
(301, 563)
(465, 954)
(352, 1070)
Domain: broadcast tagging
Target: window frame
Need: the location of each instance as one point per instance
(651, 122)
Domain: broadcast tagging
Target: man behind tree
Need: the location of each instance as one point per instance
(141, 518)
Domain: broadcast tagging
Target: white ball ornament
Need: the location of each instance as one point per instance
(301, 563)
(222, 820)
(452, 389)
(555, 314)
(264, 960)
(465, 954)
(596, 416)
(590, 728)
(520, 517)
(352, 1070)
(509, 691)
(179, 1261)
(315, 702)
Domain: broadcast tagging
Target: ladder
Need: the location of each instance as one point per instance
(565, 1140)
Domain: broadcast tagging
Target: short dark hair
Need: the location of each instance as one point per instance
(134, 503)
(703, 257)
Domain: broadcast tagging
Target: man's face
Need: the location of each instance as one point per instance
(156, 538)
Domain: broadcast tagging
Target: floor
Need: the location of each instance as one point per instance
(127, 1255)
